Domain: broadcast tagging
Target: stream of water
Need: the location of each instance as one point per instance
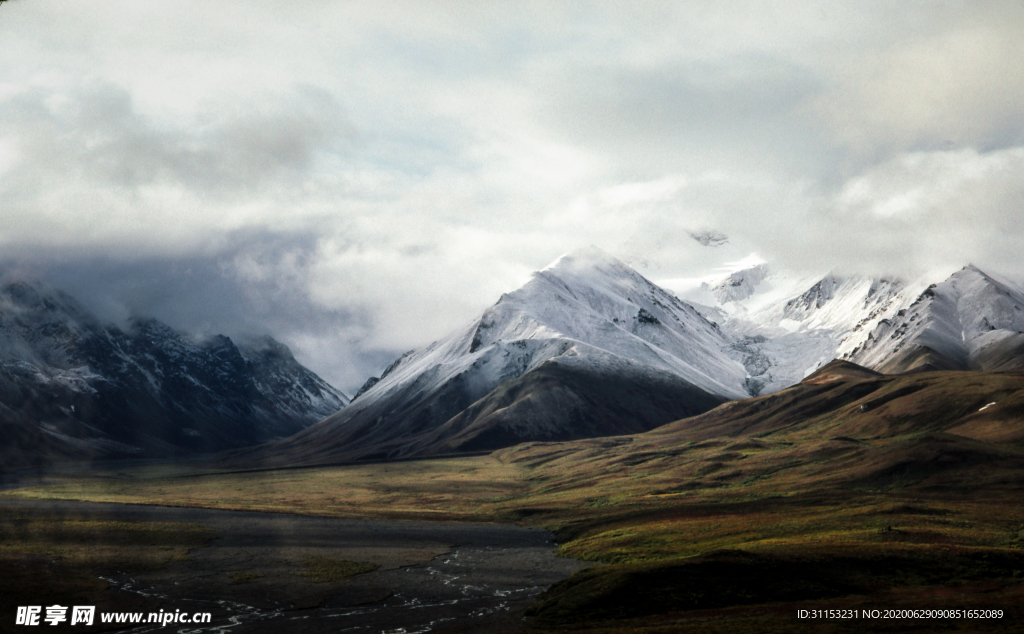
(455, 588)
(432, 577)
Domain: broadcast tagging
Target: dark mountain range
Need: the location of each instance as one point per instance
(72, 388)
(588, 347)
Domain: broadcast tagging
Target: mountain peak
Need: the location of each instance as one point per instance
(584, 258)
(968, 269)
(266, 346)
(840, 369)
(972, 270)
(738, 285)
(710, 237)
(969, 321)
(540, 364)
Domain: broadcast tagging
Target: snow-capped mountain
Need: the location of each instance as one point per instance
(738, 285)
(72, 387)
(587, 347)
(970, 321)
(784, 327)
(590, 347)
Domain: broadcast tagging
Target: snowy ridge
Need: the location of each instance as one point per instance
(587, 308)
(92, 388)
(955, 324)
(587, 347)
(784, 326)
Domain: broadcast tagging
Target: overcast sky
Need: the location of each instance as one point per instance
(360, 178)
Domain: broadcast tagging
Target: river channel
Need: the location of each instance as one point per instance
(432, 577)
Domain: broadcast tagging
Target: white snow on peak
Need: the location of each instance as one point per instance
(786, 325)
(750, 329)
(586, 308)
(957, 318)
(738, 285)
(586, 260)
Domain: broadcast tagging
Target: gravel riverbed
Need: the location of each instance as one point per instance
(431, 576)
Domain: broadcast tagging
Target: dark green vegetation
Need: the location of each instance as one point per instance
(332, 570)
(729, 578)
(849, 490)
(245, 577)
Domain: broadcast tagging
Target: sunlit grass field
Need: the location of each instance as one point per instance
(82, 541)
(453, 489)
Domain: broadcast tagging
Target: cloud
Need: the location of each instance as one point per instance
(915, 213)
(731, 113)
(256, 284)
(959, 83)
(359, 179)
(942, 208)
(85, 169)
(95, 130)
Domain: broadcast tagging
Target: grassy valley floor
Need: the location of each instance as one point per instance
(733, 556)
(849, 494)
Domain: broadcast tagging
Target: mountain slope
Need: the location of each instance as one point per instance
(877, 488)
(844, 400)
(557, 401)
(970, 321)
(599, 336)
(785, 327)
(74, 388)
(845, 428)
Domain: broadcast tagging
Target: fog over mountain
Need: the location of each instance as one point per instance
(590, 347)
(75, 388)
(357, 180)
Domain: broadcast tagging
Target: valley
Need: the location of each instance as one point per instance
(849, 490)
(512, 318)
(258, 572)
(711, 466)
